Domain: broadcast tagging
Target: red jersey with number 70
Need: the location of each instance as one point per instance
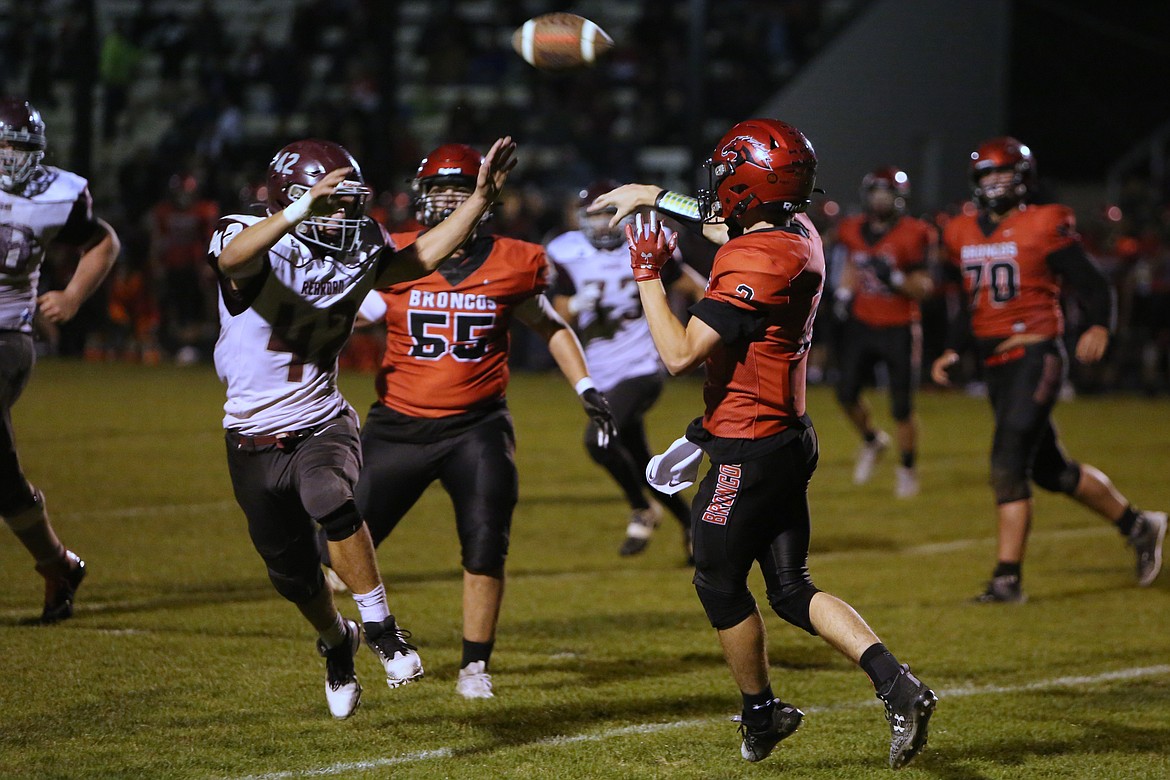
(447, 333)
(1010, 288)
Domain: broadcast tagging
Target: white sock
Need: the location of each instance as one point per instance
(334, 636)
(373, 605)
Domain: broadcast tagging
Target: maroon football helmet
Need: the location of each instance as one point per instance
(596, 227)
(22, 138)
(888, 178)
(445, 178)
(293, 172)
(758, 162)
(1002, 154)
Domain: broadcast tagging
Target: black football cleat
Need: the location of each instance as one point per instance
(398, 656)
(1146, 539)
(909, 705)
(61, 582)
(758, 744)
(1004, 589)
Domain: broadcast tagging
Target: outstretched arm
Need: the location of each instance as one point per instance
(437, 244)
(628, 198)
(244, 254)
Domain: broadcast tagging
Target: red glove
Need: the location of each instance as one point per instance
(649, 249)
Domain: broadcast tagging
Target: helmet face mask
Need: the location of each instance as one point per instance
(1005, 155)
(760, 162)
(22, 143)
(293, 172)
(445, 179)
(885, 192)
(595, 227)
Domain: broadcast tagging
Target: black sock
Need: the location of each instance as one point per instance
(476, 651)
(908, 459)
(1007, 569)
(758, 707)
(870, 437)
(1126, 522)
(880, 665)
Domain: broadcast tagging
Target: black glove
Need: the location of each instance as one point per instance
(885, 273)
(597, 407)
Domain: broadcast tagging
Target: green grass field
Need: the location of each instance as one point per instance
(183, 662)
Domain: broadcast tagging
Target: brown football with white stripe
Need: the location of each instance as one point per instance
(560, 41)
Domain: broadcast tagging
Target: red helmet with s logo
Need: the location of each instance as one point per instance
(759, 162)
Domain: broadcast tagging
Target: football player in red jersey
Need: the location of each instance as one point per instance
(290, 285)
(441, 412)
(39, 205)
(752, 332)
(888, 256)
(1014, 259)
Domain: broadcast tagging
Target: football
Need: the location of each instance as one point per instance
(560, 41)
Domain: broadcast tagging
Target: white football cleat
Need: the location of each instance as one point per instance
(342, 689)
(906, 482)
(867, 457)
(474, 681)
(641, 526)
(399, 657)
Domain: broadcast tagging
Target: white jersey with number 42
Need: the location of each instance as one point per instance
(281, 333)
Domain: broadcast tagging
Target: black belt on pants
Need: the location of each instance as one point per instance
(285, 440)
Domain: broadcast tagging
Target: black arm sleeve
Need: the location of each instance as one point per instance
(81, 229)
(730, 322)
(958, 311)
(1091, 286)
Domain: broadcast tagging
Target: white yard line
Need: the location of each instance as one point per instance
(1132, 673)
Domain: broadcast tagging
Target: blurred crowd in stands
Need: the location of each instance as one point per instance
(192, 102)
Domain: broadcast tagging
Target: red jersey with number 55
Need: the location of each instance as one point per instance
(905, 247)
(1010, 288)
(447, 333)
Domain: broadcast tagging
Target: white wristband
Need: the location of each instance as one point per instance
(583, 385)
(297, 211)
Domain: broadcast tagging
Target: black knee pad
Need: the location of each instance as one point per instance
(341, 523)
(297, 587)
(1058, 479)
(901, 406)
(792, 601)
(1009, 467)
(18, 498)
(486, 553)
(726, 610)
(1009, 485)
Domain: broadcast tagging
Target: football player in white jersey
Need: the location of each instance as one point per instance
(594, 289)
(290, 286)
(39, 205)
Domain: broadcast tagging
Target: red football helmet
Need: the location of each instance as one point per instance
(293, 172)
(22, 142)
(1002, 154)
(596, 227)
(760, 161)
(888, 178)
(445, 178)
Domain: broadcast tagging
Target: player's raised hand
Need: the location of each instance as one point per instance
(1092, 344)
(627, 199)
(323, 193)
(497, 164)
(649, 247)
